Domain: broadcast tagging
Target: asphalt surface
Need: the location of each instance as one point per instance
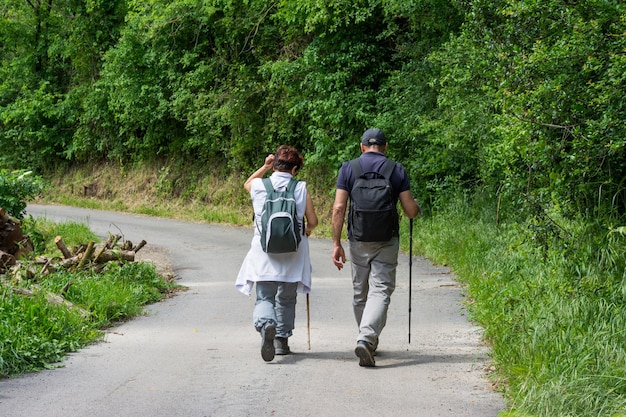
(197, 354)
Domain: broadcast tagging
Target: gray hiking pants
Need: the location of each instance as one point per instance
(275, 303)
(374, 280)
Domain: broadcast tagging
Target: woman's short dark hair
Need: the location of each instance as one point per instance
(286, 158)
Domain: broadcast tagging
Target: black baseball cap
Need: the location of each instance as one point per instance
(373, 137)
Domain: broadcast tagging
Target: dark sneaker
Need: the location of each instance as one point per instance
(281, 346)
(364, 351)
(267, 342)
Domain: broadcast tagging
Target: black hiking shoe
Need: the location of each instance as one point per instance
(281, 346)
(267, 342)
(364, 351)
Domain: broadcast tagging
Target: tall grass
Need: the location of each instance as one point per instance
(555, 315)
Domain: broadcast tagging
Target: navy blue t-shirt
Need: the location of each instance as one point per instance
(373, 161)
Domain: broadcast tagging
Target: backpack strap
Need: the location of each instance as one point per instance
(356, 168)
(387, 169)
(269, 187)
(291, 187)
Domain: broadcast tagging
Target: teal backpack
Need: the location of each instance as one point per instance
(280, 231)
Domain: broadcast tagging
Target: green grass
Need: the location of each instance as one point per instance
(35, 334)
(555, 317)
(42, 233)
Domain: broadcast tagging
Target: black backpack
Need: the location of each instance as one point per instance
(373, 212)
(280, 231)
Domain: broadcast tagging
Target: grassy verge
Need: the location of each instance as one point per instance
(36, 333)
(555, 317)
(175, 190)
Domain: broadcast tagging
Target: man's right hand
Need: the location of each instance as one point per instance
(339, 257)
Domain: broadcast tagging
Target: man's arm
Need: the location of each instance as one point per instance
(339, 214)
(409, 204)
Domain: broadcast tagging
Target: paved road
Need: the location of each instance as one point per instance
(197, 354)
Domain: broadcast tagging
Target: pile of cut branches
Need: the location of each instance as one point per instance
(16, 267)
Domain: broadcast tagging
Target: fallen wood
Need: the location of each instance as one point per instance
(112, 241)
(99, 253)
(67, 263)
(61, 245)
(87, 255)
(139, 246)
(45, 268)
(51, 298)
(6, 259)
(116, 255)
(77, 257)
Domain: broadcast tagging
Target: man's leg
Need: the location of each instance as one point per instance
(360, 268)
(382, 259)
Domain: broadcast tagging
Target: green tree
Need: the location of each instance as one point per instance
(539, 82)
(50, 52)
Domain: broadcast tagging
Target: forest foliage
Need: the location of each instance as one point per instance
(523, 100)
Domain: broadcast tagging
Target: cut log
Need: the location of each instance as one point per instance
(116, 255)
(6, 259)
(87, 255)
(139, 246)
(51, 298)
(61, 245)
(112, 241)
(67, 263)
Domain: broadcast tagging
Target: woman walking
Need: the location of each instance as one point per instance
(278, 277)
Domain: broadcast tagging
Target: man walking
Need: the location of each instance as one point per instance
(373, 233)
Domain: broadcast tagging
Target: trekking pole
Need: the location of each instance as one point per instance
(410, 271)
(308, 321)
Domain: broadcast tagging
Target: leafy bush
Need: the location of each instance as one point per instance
(16, 188)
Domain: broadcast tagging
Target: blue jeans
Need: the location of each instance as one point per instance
(373, 281)
(275, 304)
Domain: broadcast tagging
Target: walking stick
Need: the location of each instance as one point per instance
(410, 271)
(308, 321)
